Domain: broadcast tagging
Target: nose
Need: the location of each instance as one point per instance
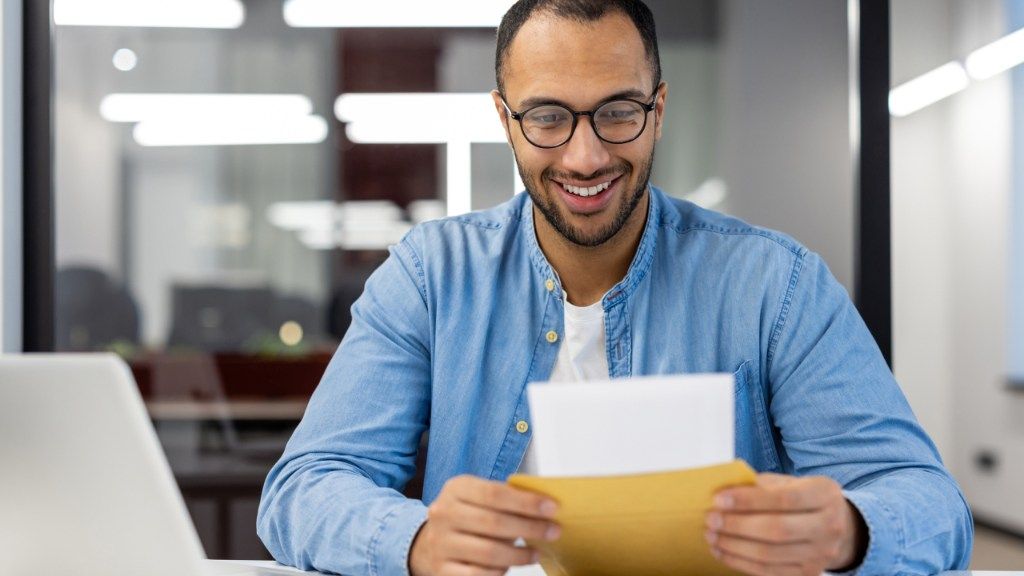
(585, 153)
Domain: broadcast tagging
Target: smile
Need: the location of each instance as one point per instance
(587, 191)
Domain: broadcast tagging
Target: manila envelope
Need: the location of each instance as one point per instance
(641, 524)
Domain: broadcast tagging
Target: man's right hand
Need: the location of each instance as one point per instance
(472, 526)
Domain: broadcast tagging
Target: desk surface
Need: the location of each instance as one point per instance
(280, 409)
(270, 568)
(261, 568)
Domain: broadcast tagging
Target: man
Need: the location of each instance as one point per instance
(468, 310)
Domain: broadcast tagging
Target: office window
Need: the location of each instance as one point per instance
(228, 174)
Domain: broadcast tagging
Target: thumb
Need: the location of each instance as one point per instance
(771, 480)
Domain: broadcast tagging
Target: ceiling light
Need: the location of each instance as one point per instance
(125, 60)
(150, 13)
(372, 238)
(395, 13)
(927, 89)
(139, 107)
(299, 215)
(228, 132)
(351, 225)
(457, 120)
(996, 57)
(419, 118)
(709, 194)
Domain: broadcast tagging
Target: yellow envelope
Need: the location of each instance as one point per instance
(637, 525)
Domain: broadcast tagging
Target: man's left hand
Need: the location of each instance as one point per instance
(786, 525)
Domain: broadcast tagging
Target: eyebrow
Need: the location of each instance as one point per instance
(543, 100)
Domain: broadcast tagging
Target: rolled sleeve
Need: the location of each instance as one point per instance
(885, 536)
(841, 414)
(333, 502)
(390, 545)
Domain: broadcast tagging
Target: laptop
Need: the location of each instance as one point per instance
(84, 486)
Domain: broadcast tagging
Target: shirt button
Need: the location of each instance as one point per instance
(549, 284)
(552, 336)
(522, 426)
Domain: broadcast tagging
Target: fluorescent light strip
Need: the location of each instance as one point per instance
(395, 13)
(459, 175)
(150, 13)
(228, 132)
(1001, 55)
(927, 89)
(419, 118)
(301, 215)
(709, 194)
(457, 120)
(379, 238)
(352, 225)
(189, 107)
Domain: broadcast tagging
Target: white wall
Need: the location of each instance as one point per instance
(952, 182)
(785, 142)
(921, 215)
(986, 416)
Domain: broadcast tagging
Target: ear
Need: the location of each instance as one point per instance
(659, 108)
(499, 107)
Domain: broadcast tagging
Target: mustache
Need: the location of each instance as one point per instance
(617, 170)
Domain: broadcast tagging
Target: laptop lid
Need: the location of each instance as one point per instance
(84, 485)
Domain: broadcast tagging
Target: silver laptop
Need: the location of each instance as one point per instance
(84, 485)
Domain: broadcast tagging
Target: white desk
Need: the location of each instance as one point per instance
(270, 568)
(254, 568)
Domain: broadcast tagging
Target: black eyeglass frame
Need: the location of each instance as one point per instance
(518, 117)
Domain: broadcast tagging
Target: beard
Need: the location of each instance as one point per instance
(549, 208)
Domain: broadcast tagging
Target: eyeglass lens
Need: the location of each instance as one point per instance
(617, 121)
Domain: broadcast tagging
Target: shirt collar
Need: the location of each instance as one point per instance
(637, 269)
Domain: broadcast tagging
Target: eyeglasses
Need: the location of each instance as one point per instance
(551, 125)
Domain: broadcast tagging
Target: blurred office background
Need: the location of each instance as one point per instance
(227, 173)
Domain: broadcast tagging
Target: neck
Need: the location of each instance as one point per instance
(588, 272)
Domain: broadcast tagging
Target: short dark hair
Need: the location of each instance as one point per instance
(580, 11)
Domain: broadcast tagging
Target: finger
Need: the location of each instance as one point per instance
(464, 569)
(764, 552)
(757, 568)
(505, 498)
(488, 552)
(486, 522)
(792, 495)
(771, 479)
(772, 528)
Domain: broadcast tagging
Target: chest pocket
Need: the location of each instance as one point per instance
(755, 442)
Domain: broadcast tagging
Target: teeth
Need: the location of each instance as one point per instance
(585, 191)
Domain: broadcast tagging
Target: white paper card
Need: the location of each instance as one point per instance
(632, 426)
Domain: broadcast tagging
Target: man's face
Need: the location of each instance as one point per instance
(580, 66)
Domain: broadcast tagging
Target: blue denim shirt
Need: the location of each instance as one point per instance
(454, 324)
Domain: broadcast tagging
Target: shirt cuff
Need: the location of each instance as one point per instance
(885, 535)
(389, 547)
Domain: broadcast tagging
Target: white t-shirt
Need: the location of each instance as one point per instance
(582, 356)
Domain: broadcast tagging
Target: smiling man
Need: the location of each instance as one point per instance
(594, 273)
